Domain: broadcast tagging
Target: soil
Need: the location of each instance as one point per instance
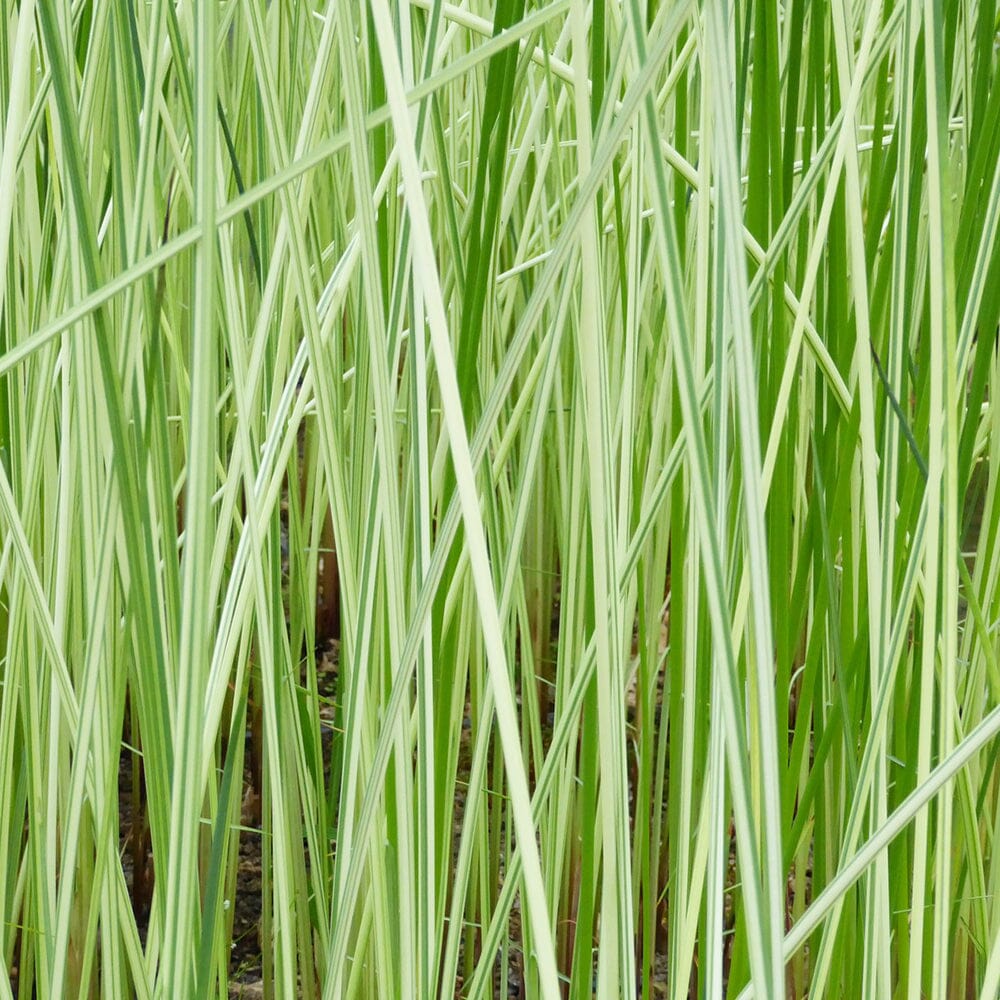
(246, 976)
(246, 960)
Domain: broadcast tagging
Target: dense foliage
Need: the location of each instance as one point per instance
(530, 469)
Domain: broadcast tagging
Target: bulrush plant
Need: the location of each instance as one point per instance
(499, 499)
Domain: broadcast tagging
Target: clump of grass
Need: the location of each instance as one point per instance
(625, 372)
